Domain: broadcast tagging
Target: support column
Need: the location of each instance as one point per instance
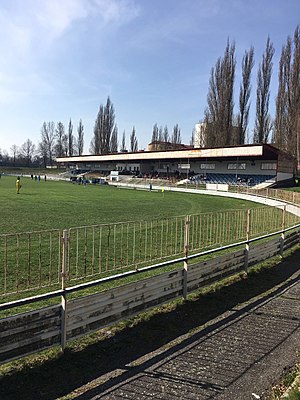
(63, 340)
(186, 253)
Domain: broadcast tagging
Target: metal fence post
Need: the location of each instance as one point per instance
(247, 248)
(63, 340)
(283, 231)
(186, 253)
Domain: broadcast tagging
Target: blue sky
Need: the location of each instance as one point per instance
(60, 59)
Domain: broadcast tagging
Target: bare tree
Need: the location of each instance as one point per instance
(70, 139)
(43, 153)
(14, 149)
(96, 145)
(263, 123)
(294, 98)
(133, 141)
(123, 144)
(192, 140)
(114, 141)
(245, 91)
(4, 156)
(48, 139)
(287, 124)
(104, 126)
(176, 136)
(27, 151)
(295, 109)
(160, 134)
(154, 133)
(281, 122)
(219, 111)
(166, 137)
(60, 137)
(80, 141)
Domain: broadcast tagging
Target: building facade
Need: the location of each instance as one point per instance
(242, 161)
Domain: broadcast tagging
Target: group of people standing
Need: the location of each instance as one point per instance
(37, 177)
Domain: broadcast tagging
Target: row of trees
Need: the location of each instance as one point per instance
(105, 137)
(59, 142)
(56, 141)
(162, 134)
(223, 127)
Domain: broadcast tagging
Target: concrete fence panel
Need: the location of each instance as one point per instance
(29, 332)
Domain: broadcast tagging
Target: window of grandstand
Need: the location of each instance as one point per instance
(268, 165)
(236, 166)
(208, 166)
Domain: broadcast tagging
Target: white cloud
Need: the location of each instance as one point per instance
(118, 11)
(26, 25)
(54, 17)
(48, 20)
(30, 30)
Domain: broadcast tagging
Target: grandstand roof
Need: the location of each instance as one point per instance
(245, 151)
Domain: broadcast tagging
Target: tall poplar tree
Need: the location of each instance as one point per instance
(79, 139)
(48, 140)
(166, 136)
(123, 143)
(176, 136)
(219, 111)
(59, 139)
(70, 139)
(103, 129)
(287, 124)
(244, 98)
(133, 141)
(154, 133)
(114, 141)
(263, 123)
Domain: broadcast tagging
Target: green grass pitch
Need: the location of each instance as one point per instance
(50, 205)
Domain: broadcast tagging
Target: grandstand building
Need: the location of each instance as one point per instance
(256, 163)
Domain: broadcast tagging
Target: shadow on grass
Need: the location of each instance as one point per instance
(57, 376)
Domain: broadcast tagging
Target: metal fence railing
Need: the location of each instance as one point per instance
(55, 258)
(29, 260)
(32, 260)
(279, 194)
(71, 318)
(101, 249)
